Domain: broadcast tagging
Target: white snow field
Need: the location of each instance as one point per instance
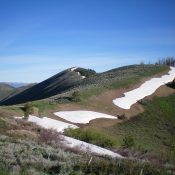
(146, 89)
(49, 123)
(82, 116)
(69, 142)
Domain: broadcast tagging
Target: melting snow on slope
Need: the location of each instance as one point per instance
(47, 123)
(74, 68)
(80, 75)
(69, 142)
(83, 77)
(87, 147)
(146, 89)
(82, 116)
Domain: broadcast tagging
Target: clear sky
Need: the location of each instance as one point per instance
(39, 38)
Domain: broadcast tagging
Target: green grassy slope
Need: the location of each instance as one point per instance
(153, 130)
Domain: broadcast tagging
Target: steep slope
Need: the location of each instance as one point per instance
(5, 90)
(58, 83)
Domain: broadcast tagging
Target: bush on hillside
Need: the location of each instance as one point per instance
(75, 96)
(3, 123)
(128, 142)
(50, 136)
(27, 109)
(122, 117)
(86, 72)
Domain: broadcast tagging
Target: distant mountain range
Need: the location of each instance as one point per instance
(70, 79)
(9, 89)
(16, 84)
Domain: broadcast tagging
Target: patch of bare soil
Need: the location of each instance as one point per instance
(162, 91)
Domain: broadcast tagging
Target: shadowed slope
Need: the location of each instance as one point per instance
(52, 86)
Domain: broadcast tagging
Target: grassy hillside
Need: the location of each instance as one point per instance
(154, 129)
(117, 78)
(150, 133)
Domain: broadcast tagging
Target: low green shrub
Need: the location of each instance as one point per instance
(75, 96)
(86, 72)
(128, 142)
(2, 123)
(27, 109)
(91, 136)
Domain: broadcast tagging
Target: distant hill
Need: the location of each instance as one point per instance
(6, 90)
(79, 78)
(16, 84)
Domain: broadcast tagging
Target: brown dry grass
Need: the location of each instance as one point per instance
(23, 134)
(10, 112)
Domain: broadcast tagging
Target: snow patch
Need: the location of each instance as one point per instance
(146, 89)
(74, 68)
(82, 116)
(80, 75)
(83, 77)
(87, 147)
(49, 123)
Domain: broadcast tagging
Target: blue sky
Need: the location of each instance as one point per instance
(39, 38)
